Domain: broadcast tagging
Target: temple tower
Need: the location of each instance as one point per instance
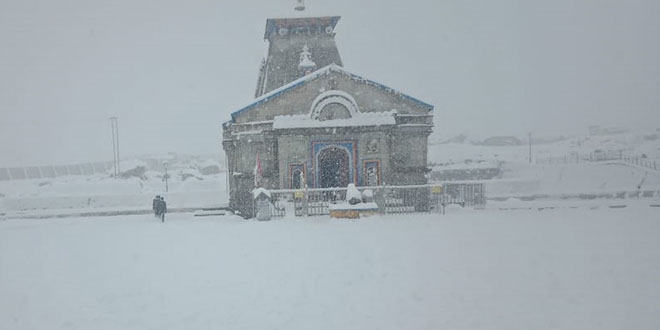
(290, 39)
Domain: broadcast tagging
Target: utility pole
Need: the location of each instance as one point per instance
(114, 125)
(165, 163)
(529, 137)
(118, 158)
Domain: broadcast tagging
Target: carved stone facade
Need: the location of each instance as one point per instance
(321, 128)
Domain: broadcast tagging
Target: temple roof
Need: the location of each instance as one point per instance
(318, 73)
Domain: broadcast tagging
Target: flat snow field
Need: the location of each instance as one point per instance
(527, 269)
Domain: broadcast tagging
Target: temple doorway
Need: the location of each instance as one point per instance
(333, 167)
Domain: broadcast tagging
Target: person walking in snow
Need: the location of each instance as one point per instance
(162, 208)
(155, 205)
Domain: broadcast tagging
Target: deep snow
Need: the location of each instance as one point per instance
(528, 269)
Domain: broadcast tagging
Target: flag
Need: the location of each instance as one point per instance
(257, 172)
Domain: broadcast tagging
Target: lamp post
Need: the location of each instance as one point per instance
(165, 163)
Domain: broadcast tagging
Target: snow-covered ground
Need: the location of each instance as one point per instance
(520, 178)
(527, 269)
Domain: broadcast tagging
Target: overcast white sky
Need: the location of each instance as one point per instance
(173, 71)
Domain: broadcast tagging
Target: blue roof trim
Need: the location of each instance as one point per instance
(390, 89)
(332, 67)
(266, 99)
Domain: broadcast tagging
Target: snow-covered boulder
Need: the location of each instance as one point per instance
(353, 195)
(133, 168)
(368, 196)
(209, 167)
(189, 173)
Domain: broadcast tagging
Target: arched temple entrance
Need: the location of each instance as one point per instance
(333, 167)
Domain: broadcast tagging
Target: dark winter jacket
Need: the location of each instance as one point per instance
(161, 207)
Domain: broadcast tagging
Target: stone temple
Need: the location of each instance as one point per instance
(315, 124)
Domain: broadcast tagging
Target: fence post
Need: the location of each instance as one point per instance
(305, 202)
(384, 199)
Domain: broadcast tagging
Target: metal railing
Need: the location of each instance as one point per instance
(613, 155)
(42, 172)
(650, 164)
(431, 198)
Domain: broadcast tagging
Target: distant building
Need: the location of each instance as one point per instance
(596, 130)
(502, 141)
(314, 123)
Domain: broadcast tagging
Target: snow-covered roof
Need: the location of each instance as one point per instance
(252, 132)
(320, 72)
(358, 119)
(258, 191)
